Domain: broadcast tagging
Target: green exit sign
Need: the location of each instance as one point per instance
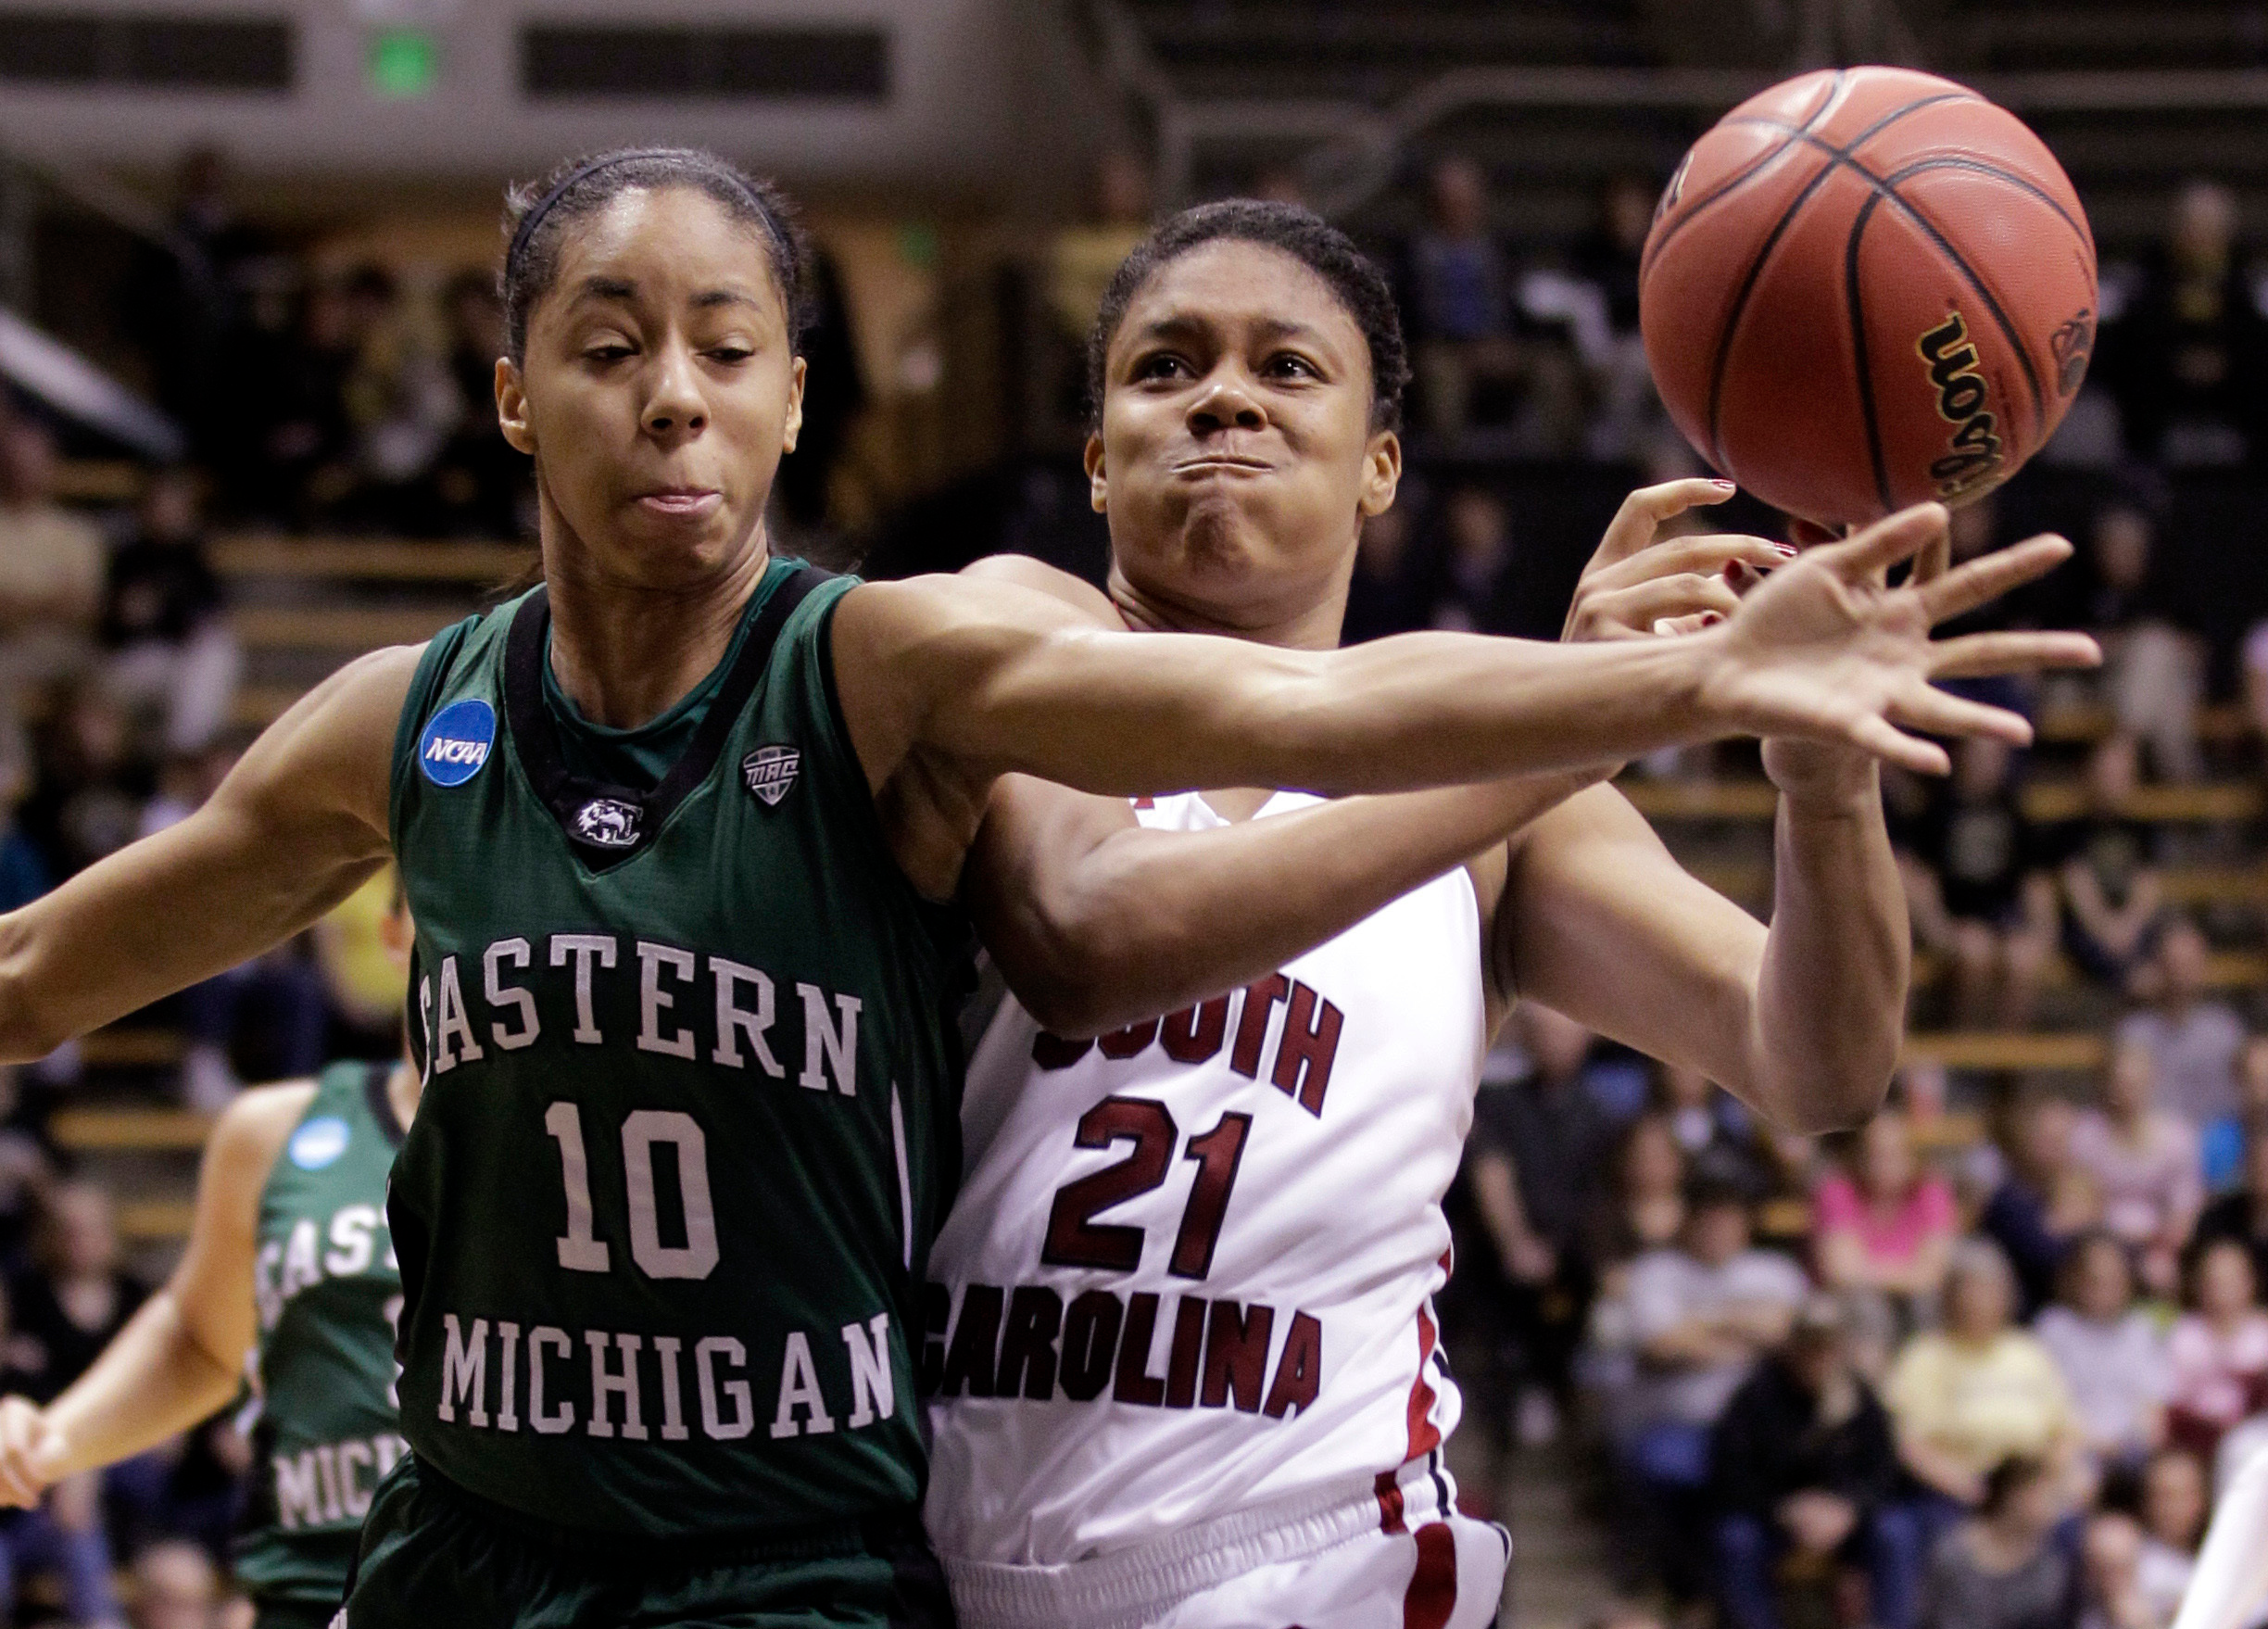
(404, 62)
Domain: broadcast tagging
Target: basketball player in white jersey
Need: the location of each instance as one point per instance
(1181, 1351)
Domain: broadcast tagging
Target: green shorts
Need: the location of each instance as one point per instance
(437, 1557)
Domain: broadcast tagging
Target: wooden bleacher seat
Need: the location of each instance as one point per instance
(129, 1131)
(2013, 1050)
(2047, 801)
(97, 480)
(372, 559)
(144, 1047)
(345, 629)
(151, 1221)
(2221, 723)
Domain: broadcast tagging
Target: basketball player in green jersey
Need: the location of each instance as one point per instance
(289, 1264)
(677, 829)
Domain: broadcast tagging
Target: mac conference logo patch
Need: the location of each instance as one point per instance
(609, 823)
(771, 773)
(456, 741)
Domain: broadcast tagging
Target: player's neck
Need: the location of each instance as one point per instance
(1308, 624)
(625, 652)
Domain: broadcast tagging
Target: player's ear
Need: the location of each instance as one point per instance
(794, 426)
(511, 406)
(1098, 484)
(1381, 472)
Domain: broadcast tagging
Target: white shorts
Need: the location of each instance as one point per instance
(1397, 1556)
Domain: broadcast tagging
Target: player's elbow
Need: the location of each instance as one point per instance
(1840, 1099)
(30, 1028)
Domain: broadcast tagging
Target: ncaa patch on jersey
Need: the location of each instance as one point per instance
(457, 741)
(609, 823)
(771, 773)
(319, 1143)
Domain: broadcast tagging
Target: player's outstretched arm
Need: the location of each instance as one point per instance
(2231, 1582)
(180, 1357)
(296, 826)
(1096, 921)
(974, 681)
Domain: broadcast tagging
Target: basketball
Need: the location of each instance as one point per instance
(1864, 288)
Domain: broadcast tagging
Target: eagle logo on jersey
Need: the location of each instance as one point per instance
(771, 773)
(609, 823)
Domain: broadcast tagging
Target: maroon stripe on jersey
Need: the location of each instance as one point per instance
(1431, 1595)
(1390, 1503)
(1424, 1437)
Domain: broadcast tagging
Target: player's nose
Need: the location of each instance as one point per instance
(673, 402)
(1227, 402)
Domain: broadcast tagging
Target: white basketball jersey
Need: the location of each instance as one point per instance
(1191, 1269)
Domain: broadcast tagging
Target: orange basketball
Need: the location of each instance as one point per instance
(1868, 287)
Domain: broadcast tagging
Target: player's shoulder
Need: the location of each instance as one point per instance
(251, 1131)
(1023, 572)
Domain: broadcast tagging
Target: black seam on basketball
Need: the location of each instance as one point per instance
(1840, 157)
(1998, 173)
(1858, 351)
(1740, 303)
(1835, 90)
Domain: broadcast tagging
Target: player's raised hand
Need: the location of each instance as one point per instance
(1635, 586)
(1823, 650)
(31, 1452)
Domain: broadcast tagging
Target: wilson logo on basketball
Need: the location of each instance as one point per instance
(1974, 455)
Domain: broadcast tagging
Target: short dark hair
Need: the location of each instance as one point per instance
(2002, 1481)
(537, 218)
(1354, 277)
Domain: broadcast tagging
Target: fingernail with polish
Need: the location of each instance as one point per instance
(1788, 549)
(1721, 481)
(1709, 619)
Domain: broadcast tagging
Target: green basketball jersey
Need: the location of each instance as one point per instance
(327, 1290)
(691, 1103)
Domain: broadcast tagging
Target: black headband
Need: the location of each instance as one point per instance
(525, 232)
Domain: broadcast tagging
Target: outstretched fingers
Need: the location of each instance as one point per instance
(1990, 575)
(1938, 713)
(1643, 511)
(1982, 655)
(1883, 544)
(1623, 612)
(1707, 555)
(1877, 734)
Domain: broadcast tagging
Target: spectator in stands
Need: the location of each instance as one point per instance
(2217, 1353)
(2174, 1506)
(2153, 669)
(1884, 1228)
(2113, 897)
(1976, 1391)
(1803, 1473)
(1476, 595)
(2110, 1352)
(176, 1587)
(2193, 1038)
(169, 648)
(2223, 1140)
(87, 800)
(834, 396)
(2111, 1574)
(1700, 1316)
(1645, 1208)
(1458, 307)
(51, 564)
(2000, 1568)
(180, 297)
(277, 1001)
(1085, 257)
(1979, 889)
(1392, 591)
(2043, 1200)
(2241, 1217)
(2184, 356)
(1718, 1135)
(1537, 1142)
(2143, 1160)
(73, 1298)
(1628, 421)
(481, 486)
(63, 1535)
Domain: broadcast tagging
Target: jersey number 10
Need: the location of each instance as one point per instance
(581, 1250)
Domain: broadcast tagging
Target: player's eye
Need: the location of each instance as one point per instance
(608, 351)
(729, 353)
(1162, 365)
(1287, 364)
